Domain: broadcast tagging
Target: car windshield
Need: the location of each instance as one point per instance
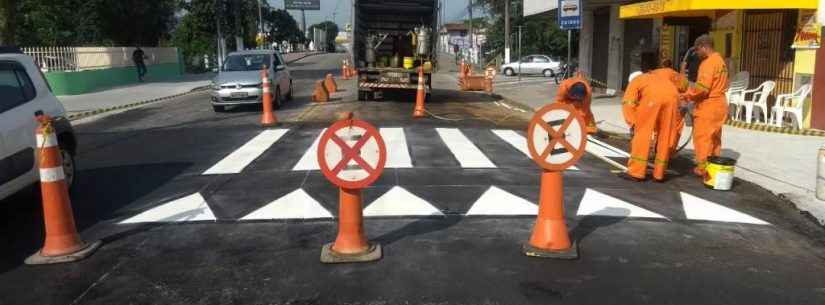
(247, 62)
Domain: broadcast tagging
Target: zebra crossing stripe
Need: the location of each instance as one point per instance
(700, 209)
(400, 202)
(239, 159)
(309, 161)
(517, 141)
(496, 201)
(398, 154)
(295, 205)
(463, 149)
(605, 150)
(189, 208)
(594, 203)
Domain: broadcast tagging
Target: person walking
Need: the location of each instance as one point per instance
(138, 57)
(711, 109)
(650, 106)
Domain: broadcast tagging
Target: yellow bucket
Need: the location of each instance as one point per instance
(408, 62)
(720, 173)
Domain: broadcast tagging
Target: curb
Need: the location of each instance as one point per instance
(85, 114)
(774, 129)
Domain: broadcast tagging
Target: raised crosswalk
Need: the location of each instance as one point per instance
(238, 160)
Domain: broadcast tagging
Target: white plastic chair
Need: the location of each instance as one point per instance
(758, 100)
(734, 95)
(791, 104)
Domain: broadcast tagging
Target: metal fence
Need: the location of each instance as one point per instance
(93, 58)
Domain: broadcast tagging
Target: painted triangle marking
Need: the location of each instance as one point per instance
(595, 203)
(496, 201)
(295, 205)
(309, 161)
(189, 208)
(400, 202)
(700, 209)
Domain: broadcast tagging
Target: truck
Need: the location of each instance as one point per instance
(391, 40)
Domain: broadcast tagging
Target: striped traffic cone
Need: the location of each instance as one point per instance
(62, 243)
(345, 72)
(420, 95)
(268, 117)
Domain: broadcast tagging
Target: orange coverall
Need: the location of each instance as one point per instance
(681, 83)
(650, 105)
(711, 109)
(584, 106)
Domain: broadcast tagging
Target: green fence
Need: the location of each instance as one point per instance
(79, 82)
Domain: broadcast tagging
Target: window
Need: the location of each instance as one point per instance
(246, 62)
(541, 59)
(15, 86)
(527, 59)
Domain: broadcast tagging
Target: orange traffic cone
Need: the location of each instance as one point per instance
(62, 243)
(351, 245)
(461, 70)
(320, 95)
(268, 117)
(420, 95)
(345, 70)
(329, 83)
(550, 238)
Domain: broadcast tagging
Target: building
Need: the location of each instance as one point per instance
(454, 37)
(773, 40)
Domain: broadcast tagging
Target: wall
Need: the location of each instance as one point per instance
(728, 23)
(615, 60)
(79, 82)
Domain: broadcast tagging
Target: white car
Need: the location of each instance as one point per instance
(533, 64)
(24, 92)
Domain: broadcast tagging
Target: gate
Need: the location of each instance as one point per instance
(766, 50)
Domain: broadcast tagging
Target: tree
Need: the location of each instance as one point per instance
(8, 18)
(282, 27)
(195, 35)
(540, 33)
(332, 32)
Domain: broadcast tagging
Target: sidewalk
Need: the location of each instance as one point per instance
(133, 95)
(784, 164)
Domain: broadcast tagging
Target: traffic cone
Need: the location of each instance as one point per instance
(461, 69)
(62, 243)
(345, 70)
(320, 95)
(351, 244)
(329, 83)
(268, 117)
(550, 238)
(420, 95)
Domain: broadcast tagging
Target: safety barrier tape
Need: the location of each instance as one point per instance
(774, 129)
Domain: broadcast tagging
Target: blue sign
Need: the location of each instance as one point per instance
(570, 14)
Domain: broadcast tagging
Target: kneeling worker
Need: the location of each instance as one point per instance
(576, 91)
(650, 106)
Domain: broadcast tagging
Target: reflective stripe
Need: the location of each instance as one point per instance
(659, 162)
(701, 87)
(52, 174)
(635, 158)
(702, 165)
(636, 103)
(50, 140)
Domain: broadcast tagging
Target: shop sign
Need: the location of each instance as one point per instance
(808, 31)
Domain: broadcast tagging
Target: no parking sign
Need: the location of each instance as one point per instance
(556, 137)
(352, 154)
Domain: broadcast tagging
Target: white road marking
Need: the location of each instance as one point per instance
(400, 202)
(398, 154)
(605, 150)
(239, 159)
(517, 141)
(189, 208)
(295, 205)
(700, 209)
(309, 161)
(496, 201)
(595, 203)
(463, 149)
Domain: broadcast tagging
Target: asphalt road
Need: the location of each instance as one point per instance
(196, 207)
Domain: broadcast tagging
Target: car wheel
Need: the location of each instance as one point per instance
(509, 72)
(548, 73)
(218, 108)
(68, 167)
(289, 94)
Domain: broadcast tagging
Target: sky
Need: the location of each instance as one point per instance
(455, 10)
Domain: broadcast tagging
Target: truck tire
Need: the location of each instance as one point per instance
(364, 96)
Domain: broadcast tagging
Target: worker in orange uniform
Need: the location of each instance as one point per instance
(681, 82)
(711, 108)
(650, 106)
(576, 91)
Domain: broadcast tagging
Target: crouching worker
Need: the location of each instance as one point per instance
(652, 100)
(576, 91)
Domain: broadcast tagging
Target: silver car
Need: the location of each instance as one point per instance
(533, 64)
(239, 79)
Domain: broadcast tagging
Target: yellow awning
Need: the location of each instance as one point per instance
(664, 8)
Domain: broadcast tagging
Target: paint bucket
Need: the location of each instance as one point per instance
(408, 62)
(720, 173)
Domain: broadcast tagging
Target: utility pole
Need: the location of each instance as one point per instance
(219, 44)
(506, 31)
(304, 23)
(238, 29)
(818, 83)
(519, 53)
(472, 37)
(260, 16)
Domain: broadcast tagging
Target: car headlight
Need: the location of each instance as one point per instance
(216, 86)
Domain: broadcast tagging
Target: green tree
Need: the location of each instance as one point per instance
(282, 27)
(332, 32)
(195, 35)
(8, 22)
(540, 33)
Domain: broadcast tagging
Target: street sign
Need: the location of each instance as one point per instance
(352, 154)
(308, 5)
(570, 14)
(556, 137)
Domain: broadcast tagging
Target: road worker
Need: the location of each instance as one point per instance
(681, 82)
(711, 109)
(652, 100)
(576, 91)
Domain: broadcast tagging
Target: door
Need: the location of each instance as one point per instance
(283, 79)
(601, 42)
(17, 126)
(767, 53)
(540, 63)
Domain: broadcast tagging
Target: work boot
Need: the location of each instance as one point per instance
(626, 176)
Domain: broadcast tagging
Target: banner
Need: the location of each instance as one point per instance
(808, 34)
(532, 7)
(309, 5)
(570, 14)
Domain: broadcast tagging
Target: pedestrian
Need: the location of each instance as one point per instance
(711, 109)
(576, 91)
(138, 56)
(650, 106)
(681, 82)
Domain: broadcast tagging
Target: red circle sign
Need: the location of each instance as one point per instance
(352, 154)
(556, 137)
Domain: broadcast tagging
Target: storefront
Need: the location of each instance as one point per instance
(770, 39)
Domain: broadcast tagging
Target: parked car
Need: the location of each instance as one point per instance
(239, 79)
(533, 64)
(24, 92)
